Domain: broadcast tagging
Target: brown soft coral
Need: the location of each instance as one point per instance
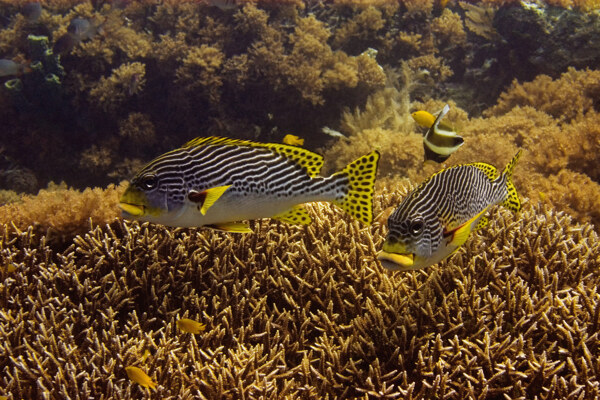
(572, 95)
(125, 81)
(301, 61)
(364, 26)
(62, 212)
(138, 129)
(201, 71)
(571, 191)
(448, 29)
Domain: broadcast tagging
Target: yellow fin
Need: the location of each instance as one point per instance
(512, 201)
(140, 377)
(358, 202)
(235, 227)
(461, 234)
(482, 222)
(489, 170)
(311, 162)
(212, 195)
(295, 215)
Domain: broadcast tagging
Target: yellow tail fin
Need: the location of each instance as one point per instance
(358, 202)
(512, 201)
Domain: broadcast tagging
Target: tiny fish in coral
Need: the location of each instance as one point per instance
(145, 355)
(440, 141)
(435, 219)
(140, 377)
(333, 133)
(32, 11)
(10, 268)
(79, 29)
(216, 182)
(224, 5)
(293, 140)
(190, 326)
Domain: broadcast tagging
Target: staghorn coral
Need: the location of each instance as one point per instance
(303, 312)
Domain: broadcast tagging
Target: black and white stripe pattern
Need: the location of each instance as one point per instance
(249, 171)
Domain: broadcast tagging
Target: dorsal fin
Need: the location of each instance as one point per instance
(489, 170)
(306, 159)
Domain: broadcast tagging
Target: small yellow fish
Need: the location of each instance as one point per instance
(426, 120)
(293, 140)
(423, 118)
(146, 355)
(190, 326)
(10, 268)
(140, 377)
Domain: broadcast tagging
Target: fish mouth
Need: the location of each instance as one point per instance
(396, 261)
(135, 210)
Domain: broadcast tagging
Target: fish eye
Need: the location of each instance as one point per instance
(148, 182)
(416, 227)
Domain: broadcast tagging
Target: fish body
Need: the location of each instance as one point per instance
(82, 28)
(140, 377)
(293, 140)
(79, 30)
(190, 326)
(333, 133)
(216, 181)
(32, 11)
(437, 217)
(440, 142)
(12, 68)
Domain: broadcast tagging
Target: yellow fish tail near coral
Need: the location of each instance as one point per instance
(140, 377)
(190, 326)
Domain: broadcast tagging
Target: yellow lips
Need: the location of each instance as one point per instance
(132, 209)
(396, 261)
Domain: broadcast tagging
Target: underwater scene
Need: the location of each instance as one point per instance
(299, 199)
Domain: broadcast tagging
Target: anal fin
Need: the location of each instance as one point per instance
(295, 215)
(235, 227)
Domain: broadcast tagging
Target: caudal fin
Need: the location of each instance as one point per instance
(511, 201)
(358, 201)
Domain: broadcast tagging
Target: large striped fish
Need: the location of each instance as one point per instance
(437, 217)
(217, 182)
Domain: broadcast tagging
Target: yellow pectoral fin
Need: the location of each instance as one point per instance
(211, 196)
(236, 227)
(461, 234)
(295, 215)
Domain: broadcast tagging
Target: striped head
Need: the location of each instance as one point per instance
(415, 236)
(155, 194)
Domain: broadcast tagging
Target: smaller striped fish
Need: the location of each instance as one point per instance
(441, 140)
(216, 182)
(435, 219)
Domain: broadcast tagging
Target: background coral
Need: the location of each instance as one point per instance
(303, 312)
(59, 213)
(257, 70)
